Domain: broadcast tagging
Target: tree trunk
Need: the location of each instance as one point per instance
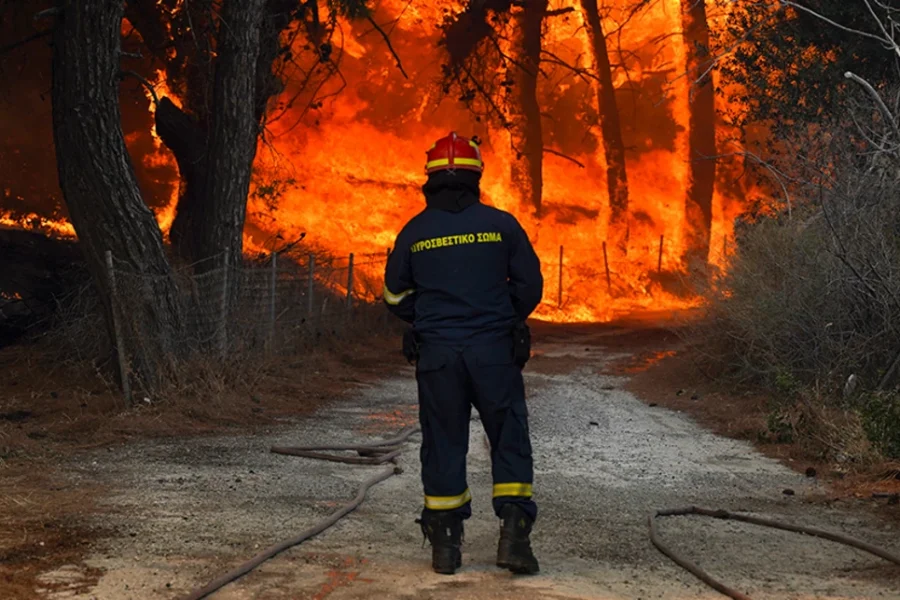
(610, 128)
(98, 181)
(702, 140)
(182, 40)
(189, 131)
(525, 112)
(183, 135)
(278, 16)
(233, 134)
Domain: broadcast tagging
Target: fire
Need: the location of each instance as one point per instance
(161, 155)
(359, 159)
(34, 222)
(349, 169)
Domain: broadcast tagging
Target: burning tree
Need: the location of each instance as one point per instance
(610, 126)
(224, 72)
(499, 51)
(522, 70)
(702, 141)
(95, 170)
(494, 53)
(224, 64)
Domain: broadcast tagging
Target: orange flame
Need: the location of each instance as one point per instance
(359, 164)
(350, 168)
(34, 222)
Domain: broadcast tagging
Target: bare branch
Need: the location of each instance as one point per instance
(878, 100)
(565, 156)
(50, 12)
(831, 22)
(24, 41)
(387, 40)
(552, 58)
(487, 97)
(144, 81)
(776, 174)
(559, 11)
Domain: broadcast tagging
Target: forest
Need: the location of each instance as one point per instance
(209, 182)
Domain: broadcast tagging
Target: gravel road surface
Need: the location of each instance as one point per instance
(183, 511)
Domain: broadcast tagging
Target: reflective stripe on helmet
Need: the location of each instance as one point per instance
(454, 152)
(445, 162)
(470, 162)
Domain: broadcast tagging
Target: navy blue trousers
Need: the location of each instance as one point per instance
(451, 381)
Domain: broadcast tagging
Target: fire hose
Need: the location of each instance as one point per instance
(378, 453)
(723, 514)
(389, 450)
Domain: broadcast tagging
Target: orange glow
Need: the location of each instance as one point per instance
(359, 159)
(161, 155)
(354, 164)
(34, 222)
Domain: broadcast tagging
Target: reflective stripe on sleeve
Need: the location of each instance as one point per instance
(395, 299)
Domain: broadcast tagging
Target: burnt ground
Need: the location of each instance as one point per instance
(146, 516)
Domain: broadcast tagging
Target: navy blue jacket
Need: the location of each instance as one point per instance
(462, 272)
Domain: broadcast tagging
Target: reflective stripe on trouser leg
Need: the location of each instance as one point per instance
(512, 490)
(447, 502)
(500, 399)
(444, 413)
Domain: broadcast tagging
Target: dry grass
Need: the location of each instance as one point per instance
(70, 405)
(830, 442)
(811, 300)
(51, 408)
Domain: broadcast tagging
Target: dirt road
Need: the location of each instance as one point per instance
(184, 511)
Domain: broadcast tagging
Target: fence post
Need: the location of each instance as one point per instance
(223, 307)
(350, 283)
(659, 262)
(117, 329)
(273, 287)
(559, 291)
(606, 264)
(311, 287)
(386, 315)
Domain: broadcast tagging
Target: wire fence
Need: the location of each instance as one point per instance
(280, 304)
(285, 303)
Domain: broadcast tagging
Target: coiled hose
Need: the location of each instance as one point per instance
(723, 514)
(389, 450)
(378, 453)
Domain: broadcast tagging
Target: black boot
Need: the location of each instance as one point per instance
(514, 550)
(444, 531)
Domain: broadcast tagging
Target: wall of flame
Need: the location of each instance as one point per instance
(347, 172)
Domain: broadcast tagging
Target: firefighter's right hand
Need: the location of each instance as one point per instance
(410, 346)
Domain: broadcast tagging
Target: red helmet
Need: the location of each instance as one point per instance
(454, 152)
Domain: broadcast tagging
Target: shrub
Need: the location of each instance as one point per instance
(812, 294)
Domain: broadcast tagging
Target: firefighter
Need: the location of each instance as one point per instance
(466, 277)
